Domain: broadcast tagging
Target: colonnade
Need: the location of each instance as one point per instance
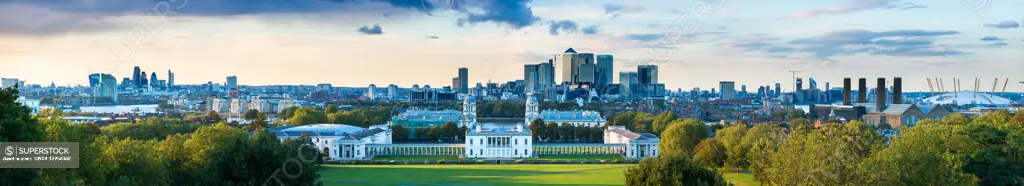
(578, 150)
(412, 149)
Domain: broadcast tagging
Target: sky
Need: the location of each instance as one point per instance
(695, 43)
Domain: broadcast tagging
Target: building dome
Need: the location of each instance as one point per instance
(470, 99)
(967, 98)
(531, 99)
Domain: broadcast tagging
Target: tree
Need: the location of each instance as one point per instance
(538, 129)
(672, 170)
(450, 131)
(800, 122)
(823, 157)
(778, 114)
(213, 117)
(642, 122)
(399, 132)
(929, 151)
(260, 122)
(682, 136)
(763, 141)
(662, 121)
(1018, 119)
(331, 108)
(796, 113)
(287, 112)
(710, 152)
(551, 132)
(251, 114)
(732, 139)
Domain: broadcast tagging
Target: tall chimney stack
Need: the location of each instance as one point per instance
(847, 91)
(897, 90)
(880, 95)
(862, 93)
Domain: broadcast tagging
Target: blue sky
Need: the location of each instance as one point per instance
(406, 42)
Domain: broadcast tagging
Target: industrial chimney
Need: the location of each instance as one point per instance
(847, 91)
(880, 94)
(862, 93)
(897, 90)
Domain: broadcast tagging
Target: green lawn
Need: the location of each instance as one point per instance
(412, 157)
(594, 174)
(741, 178)
(581, 157)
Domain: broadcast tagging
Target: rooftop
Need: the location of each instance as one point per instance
(553, 115)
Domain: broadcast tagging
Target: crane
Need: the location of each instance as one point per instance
(794, 78)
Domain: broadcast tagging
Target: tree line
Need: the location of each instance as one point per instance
(955, 150)
(447, 132)
(362, 117)
(156, 152)
(552, 132)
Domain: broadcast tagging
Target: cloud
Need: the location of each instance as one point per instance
(433, 37)
(566, 27)
(1003, 25)
(590, 30)
(863, 37)
(917, 51)
(62, 16)
(723, 27)
(617, 10)
(515, 14)
(858, 6)
(991, 38)
(997, 45)
(375, 30)
(644, 37)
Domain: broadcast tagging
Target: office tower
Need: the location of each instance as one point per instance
(153, 80)
(566, 61)
(799, 84)
(126, 82)
(847, 91)
(897, 90)
(778, 88)
(456, 84)
(9, 82)
(728, 89)
(814, 84)
(538, 77)
(170, 79)
(232, 82)
(605, 69)
(392, 91)
(743, 90)
(136, 76)
(648, 74)
(94, 80)
(463, 80)
(628, 83)
(107, 87)
(371, 91)
(862, 91)
(586, 75)
(143, 81)
(880, 94)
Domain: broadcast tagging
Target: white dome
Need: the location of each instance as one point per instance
(967, 98)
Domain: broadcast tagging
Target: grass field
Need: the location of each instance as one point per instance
(740, 178)
(473, 174)
(593, 174)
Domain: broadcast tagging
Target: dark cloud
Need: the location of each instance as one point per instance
(562, 27)
(375, 30)
(62, 16)
(1003, 24)
(515, 14)
(566, 27)
(997, 45)
(617, 10)
(590, 30)
(991, 38)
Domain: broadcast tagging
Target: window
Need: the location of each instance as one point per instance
(517, 152)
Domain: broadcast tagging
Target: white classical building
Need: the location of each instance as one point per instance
(337, 141)
(576, 117)
(494, 142)
(642, 145)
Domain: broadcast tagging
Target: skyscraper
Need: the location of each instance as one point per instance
(799, 84)
(586, 74)
(778, 88)
(232, 82)
(170, 79)
(153, 81)
(94, 80)
(628, 83)
(728, 89)
(566, 61)
(456, 84)
(464, 80)
(107, 87)
(605, 69)
(647, 74)
(136, 75)
(143, 81)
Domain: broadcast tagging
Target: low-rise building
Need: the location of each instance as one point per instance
(499, 142)
(643, 145)
(337, 141)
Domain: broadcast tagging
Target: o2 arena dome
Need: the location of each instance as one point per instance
(967, 98)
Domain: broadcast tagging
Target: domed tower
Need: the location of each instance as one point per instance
(532, 108)
(468, 111)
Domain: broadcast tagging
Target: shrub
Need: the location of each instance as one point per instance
(519, 162)
(442, 162)
(480, 162)
(616, 161)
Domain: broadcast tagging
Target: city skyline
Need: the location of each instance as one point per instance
(405, 44)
